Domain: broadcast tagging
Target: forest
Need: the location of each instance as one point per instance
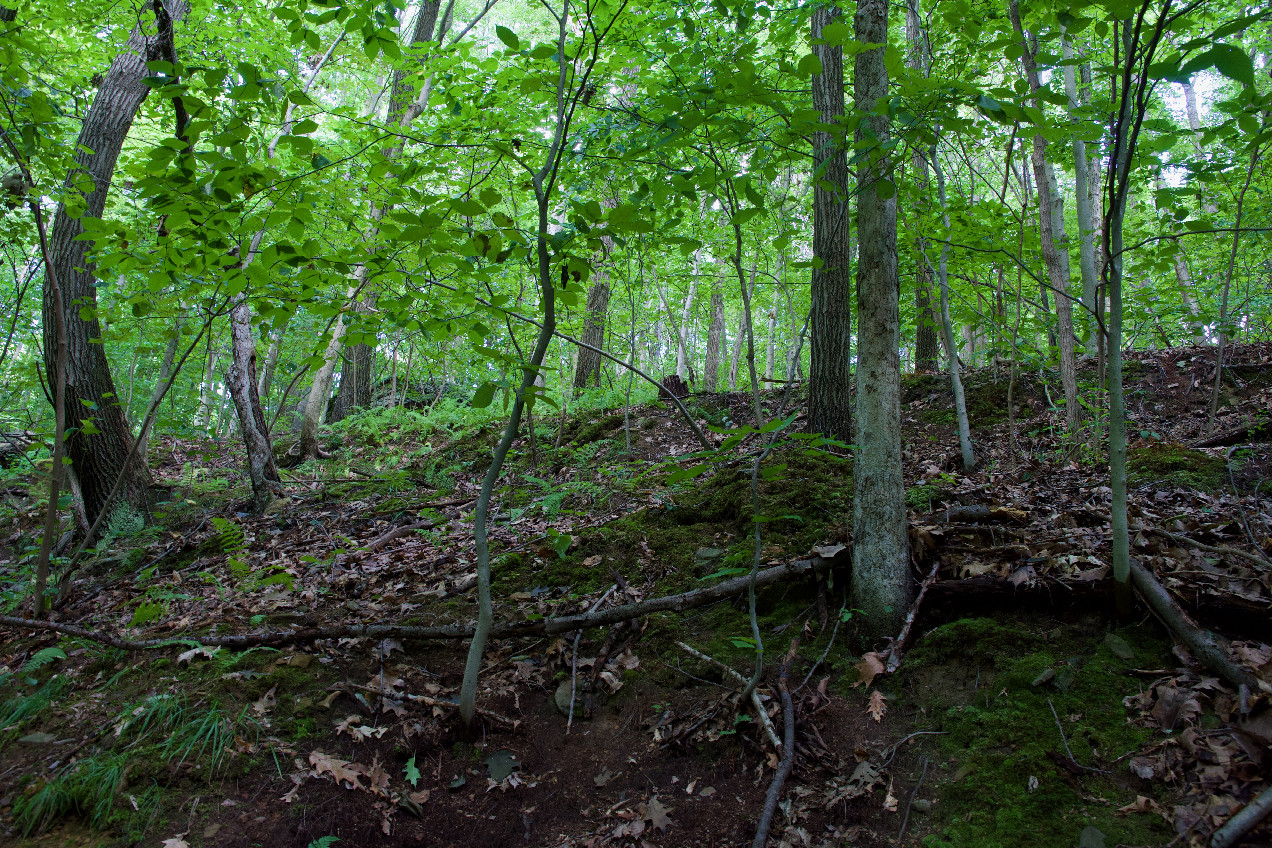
(581, 423)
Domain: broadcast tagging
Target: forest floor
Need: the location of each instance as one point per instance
(1025, 711)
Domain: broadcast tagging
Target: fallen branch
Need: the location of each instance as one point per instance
(398, 532)
(506, 630)
(898, 644)
(760, 712)
(1204, 646)
(1256, 560)
(1244, 821)
(788, 751)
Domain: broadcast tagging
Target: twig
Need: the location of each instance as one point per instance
(574, 660)
(833, 632)
(1244, 821)
(897, 745)
(755, 696)
(905, 820)
(788, 750)
(898, 644)
(1256, 560)
(1060, 727)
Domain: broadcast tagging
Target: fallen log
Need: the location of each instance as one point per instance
(1258, 431)
(544, 627)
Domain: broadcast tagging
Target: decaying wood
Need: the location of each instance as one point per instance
(976, 513)
(1258, 431)
(505, 630)
(398, 532)
(1204, 646)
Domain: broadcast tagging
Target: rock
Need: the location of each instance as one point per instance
(707, 560)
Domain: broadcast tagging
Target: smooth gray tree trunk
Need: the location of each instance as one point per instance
(881, 584)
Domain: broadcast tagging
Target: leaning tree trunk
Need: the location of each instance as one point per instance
(240, 381)
(99, 449)
(925, 342)
(881, 585)
(829, 370)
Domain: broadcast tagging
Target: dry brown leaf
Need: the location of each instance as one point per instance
(656, 814)
(890, 802)
(266, 702)
(871, 664)
(877, 706)
(341, 770)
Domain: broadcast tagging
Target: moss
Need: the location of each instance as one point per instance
(937, 416)
(1175, 464)
(598, 429)
(926, 498)
(975, 677)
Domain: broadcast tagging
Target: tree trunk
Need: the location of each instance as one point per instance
(355, 376)
(240, 380)
(947, 328)
(590, 365)
(403, 109)
(1051, 227)
(830, 367)
(715, 339)
(686, 315)
(271, 363)
(926, 345)
(1086, 221)
(743, 328)
(102, 440)
(165, 371)
(881, 585)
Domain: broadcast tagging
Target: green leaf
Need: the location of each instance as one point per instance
(885, 190)
(412, 773)
(1228, 59)
(809, 66)
(508, 37)
(483, 396)
(744, 215)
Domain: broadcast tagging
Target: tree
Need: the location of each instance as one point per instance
(881, 565)
(925, 318)
(829, 370)
(100, 445)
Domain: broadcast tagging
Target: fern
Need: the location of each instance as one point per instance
(324, 842)
(43, 657)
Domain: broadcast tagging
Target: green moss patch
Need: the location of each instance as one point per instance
(1175, 464)
(1002, 768)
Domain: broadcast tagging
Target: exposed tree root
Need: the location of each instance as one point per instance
(898, 644)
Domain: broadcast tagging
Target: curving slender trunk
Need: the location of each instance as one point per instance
(925, 318)
(1082, 199)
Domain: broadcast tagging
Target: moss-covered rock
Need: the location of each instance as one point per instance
(1165, 462)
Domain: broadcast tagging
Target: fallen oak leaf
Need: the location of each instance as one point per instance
(877, 705)
(870, 666)
(341, 771)
(656, 814)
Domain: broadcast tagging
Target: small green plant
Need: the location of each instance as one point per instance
(324, 842)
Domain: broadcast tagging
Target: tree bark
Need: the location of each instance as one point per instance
(590, 366)
(830, 367)
(1086, 220)
(881, 584)
(926, 346)
(715, 338)
(1051, 228)
(100, 445)
(743, 327)
(240, 380)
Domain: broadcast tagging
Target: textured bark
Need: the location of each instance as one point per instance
(98, 458)
(355, 376)
(881, 584)
(589, 366)
(1086, 221)
(926, 346)
(240, 379)
(686, 315)
(735, 360)
(271, 363)
(715, 338)
(829, 370)
(161, 385)
(1051, 227)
